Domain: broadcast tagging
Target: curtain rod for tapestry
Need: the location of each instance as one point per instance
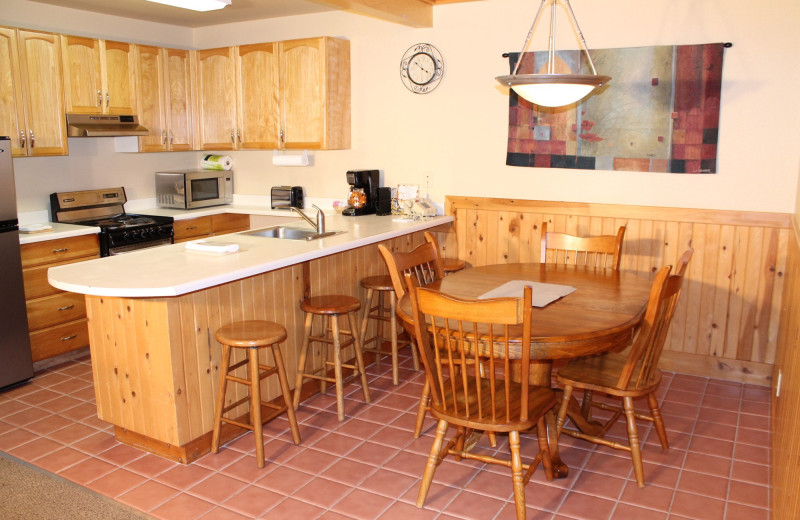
(727, 45)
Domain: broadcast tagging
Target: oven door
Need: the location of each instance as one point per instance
(127, 248)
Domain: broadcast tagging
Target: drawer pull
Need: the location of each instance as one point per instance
(189, 228)
(67, 338)
(67, 307)
(61, 250)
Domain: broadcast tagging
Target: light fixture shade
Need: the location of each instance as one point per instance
(553, 90)
(195, 5)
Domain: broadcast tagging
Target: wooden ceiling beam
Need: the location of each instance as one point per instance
(413, 13)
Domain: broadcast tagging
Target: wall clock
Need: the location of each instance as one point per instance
(422, 68)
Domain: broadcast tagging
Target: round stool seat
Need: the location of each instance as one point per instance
(378, 283)
(253, 333)
(330, 304)
(451, 265)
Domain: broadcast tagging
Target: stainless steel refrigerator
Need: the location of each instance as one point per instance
(15, 346)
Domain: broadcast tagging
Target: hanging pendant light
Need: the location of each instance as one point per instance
(551, 89)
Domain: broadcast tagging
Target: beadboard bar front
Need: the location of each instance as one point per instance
(156, 362)
(728, 320)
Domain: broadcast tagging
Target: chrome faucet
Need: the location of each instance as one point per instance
(319, 226)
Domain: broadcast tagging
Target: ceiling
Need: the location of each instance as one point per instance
(414, 13)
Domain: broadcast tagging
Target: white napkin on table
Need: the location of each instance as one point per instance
(543, 293)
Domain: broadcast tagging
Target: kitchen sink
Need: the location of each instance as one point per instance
(290, 233)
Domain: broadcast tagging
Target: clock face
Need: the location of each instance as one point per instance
(422, 68)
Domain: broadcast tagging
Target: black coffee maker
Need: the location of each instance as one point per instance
(363, 197)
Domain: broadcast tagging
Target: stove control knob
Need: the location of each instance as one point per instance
(126, 236)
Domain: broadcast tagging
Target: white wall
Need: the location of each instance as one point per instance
(456, 136)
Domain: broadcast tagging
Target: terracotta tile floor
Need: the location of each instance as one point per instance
(369, 466)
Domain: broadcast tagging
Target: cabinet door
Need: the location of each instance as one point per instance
(257, 96)
(119, 80)
(150, 88)
(83, 84)
(178, 95)
(302, 87)
(40, 71)
(216, 91)
(12, 117)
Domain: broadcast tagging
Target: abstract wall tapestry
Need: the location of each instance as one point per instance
(659, 112)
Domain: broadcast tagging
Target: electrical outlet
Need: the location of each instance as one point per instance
(778, 383)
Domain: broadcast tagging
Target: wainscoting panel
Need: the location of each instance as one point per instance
(728, 320)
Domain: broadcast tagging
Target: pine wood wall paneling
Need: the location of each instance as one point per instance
(786, 407)
(727, 323)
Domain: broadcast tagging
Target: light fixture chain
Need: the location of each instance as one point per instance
(528, 38)
(580, 36)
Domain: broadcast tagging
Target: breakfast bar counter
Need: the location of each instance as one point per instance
(153, 313)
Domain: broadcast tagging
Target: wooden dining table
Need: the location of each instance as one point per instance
(602, 314)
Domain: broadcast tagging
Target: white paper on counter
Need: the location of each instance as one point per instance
(212, 247)
(543, 293)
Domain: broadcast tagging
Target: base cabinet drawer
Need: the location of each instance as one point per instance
(52, 310)
(192, 228)
(56, 340)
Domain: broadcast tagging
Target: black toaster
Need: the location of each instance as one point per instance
(284, 197)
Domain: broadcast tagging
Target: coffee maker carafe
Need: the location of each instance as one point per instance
(363, 198)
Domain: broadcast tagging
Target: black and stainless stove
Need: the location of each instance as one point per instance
(120, 232)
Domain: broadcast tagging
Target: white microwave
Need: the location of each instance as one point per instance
(194, 189)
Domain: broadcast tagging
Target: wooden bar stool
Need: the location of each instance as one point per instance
(252, 335)
(378, 311)
(332, 306)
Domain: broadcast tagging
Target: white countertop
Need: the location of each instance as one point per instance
(172, 270)
(58, 231)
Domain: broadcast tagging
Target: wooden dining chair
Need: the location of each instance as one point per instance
(449, 265)
(472, 351)
(630, 374)
(424, 263)
(597, 251)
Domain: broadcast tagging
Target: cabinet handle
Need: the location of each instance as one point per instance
(33, 139)
(191, 228)
(239, 134)
(66, 307)
(170, 137)
(99, 98)
(233, 139)
(107, 99)
(22, 138)
(67, 338)
(281, 134)
(61, 250)
(163, 137)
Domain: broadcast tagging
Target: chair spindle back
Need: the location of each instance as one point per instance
(594, 251)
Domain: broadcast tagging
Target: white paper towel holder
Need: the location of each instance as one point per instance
(291, 160)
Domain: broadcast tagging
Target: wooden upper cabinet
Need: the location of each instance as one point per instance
(164, 98)
(31, 102)
(216, 99)
(315, 93)
(98, 76)
(293, 94)
(257, 96)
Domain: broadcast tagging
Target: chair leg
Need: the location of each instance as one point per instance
(586, 405)
(434, 459)
(655, 412)
(284, 382)
(516, 474)
(424, 402)
(301, 362)
(223, 387)
(562, 410)
(255, 405)
(633, 440)
(359, 358)
(337, 367)
(393, 334)
(365, 321)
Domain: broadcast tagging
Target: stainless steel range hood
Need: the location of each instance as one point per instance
(101, 125)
